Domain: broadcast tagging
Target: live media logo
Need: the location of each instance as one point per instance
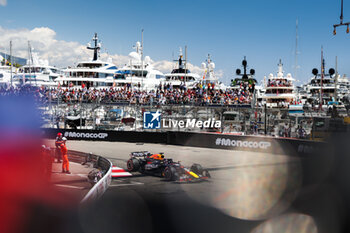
(151, 120)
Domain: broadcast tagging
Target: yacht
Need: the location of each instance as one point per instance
(209, 77)
(180, 75)
(139, 73)
(246, 81)
(37, 72)
(318, 85)
(90, 74)
(322, 87)
(334, 92)
(280, 90)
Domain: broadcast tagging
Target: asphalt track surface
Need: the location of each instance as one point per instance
(248, 192)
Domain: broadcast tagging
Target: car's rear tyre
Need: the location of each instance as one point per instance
(197, 168)
(133, 165)
(170, 174)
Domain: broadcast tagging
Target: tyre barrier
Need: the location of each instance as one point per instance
(287, 146)
(100, 163)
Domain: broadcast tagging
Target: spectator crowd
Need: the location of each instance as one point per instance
(163, 95)
(279, 83)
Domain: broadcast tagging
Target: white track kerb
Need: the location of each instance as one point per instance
(100, 187)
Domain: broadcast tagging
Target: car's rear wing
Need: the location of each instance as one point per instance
(140, 153)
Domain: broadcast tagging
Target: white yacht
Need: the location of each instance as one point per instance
(180, 75)
(139, 73)
(317, 85)
(322, 87)
(333, 91)
(37, 72)
(209, 77)
(90, 74)
(246, 81)
(279, 90)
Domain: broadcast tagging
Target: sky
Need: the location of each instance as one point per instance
(228, 30)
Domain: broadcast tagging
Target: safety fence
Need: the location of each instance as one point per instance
(246, 120)
(287, 146)
(99, 162)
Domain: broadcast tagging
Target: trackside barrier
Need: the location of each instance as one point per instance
(108, 135)
(99, 162)
(100, 187)
(287, 146)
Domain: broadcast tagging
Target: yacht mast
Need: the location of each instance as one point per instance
(336, 79)
(322, 76)
(29, 64)
(142, 58)
(280, 67)
(96, 47)
(244, 63)
(185, 64)
(11, 60)
(296, 67)
(30, 54)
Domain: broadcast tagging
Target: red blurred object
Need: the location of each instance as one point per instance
(24, 184)
(23, 170)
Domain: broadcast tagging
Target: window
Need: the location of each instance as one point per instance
(139, 73)
(120, 76)
(90, 65)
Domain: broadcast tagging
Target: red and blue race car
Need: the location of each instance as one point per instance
(156, 164)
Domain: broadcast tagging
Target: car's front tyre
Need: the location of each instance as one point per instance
(170, 173)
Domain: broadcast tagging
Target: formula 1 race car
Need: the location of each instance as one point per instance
(146, 163)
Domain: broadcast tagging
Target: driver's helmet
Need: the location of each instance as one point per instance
(159, 156)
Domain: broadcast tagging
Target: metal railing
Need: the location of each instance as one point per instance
(103, 164)
(243, 119)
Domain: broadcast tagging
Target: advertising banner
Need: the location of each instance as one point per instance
(271, 145)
